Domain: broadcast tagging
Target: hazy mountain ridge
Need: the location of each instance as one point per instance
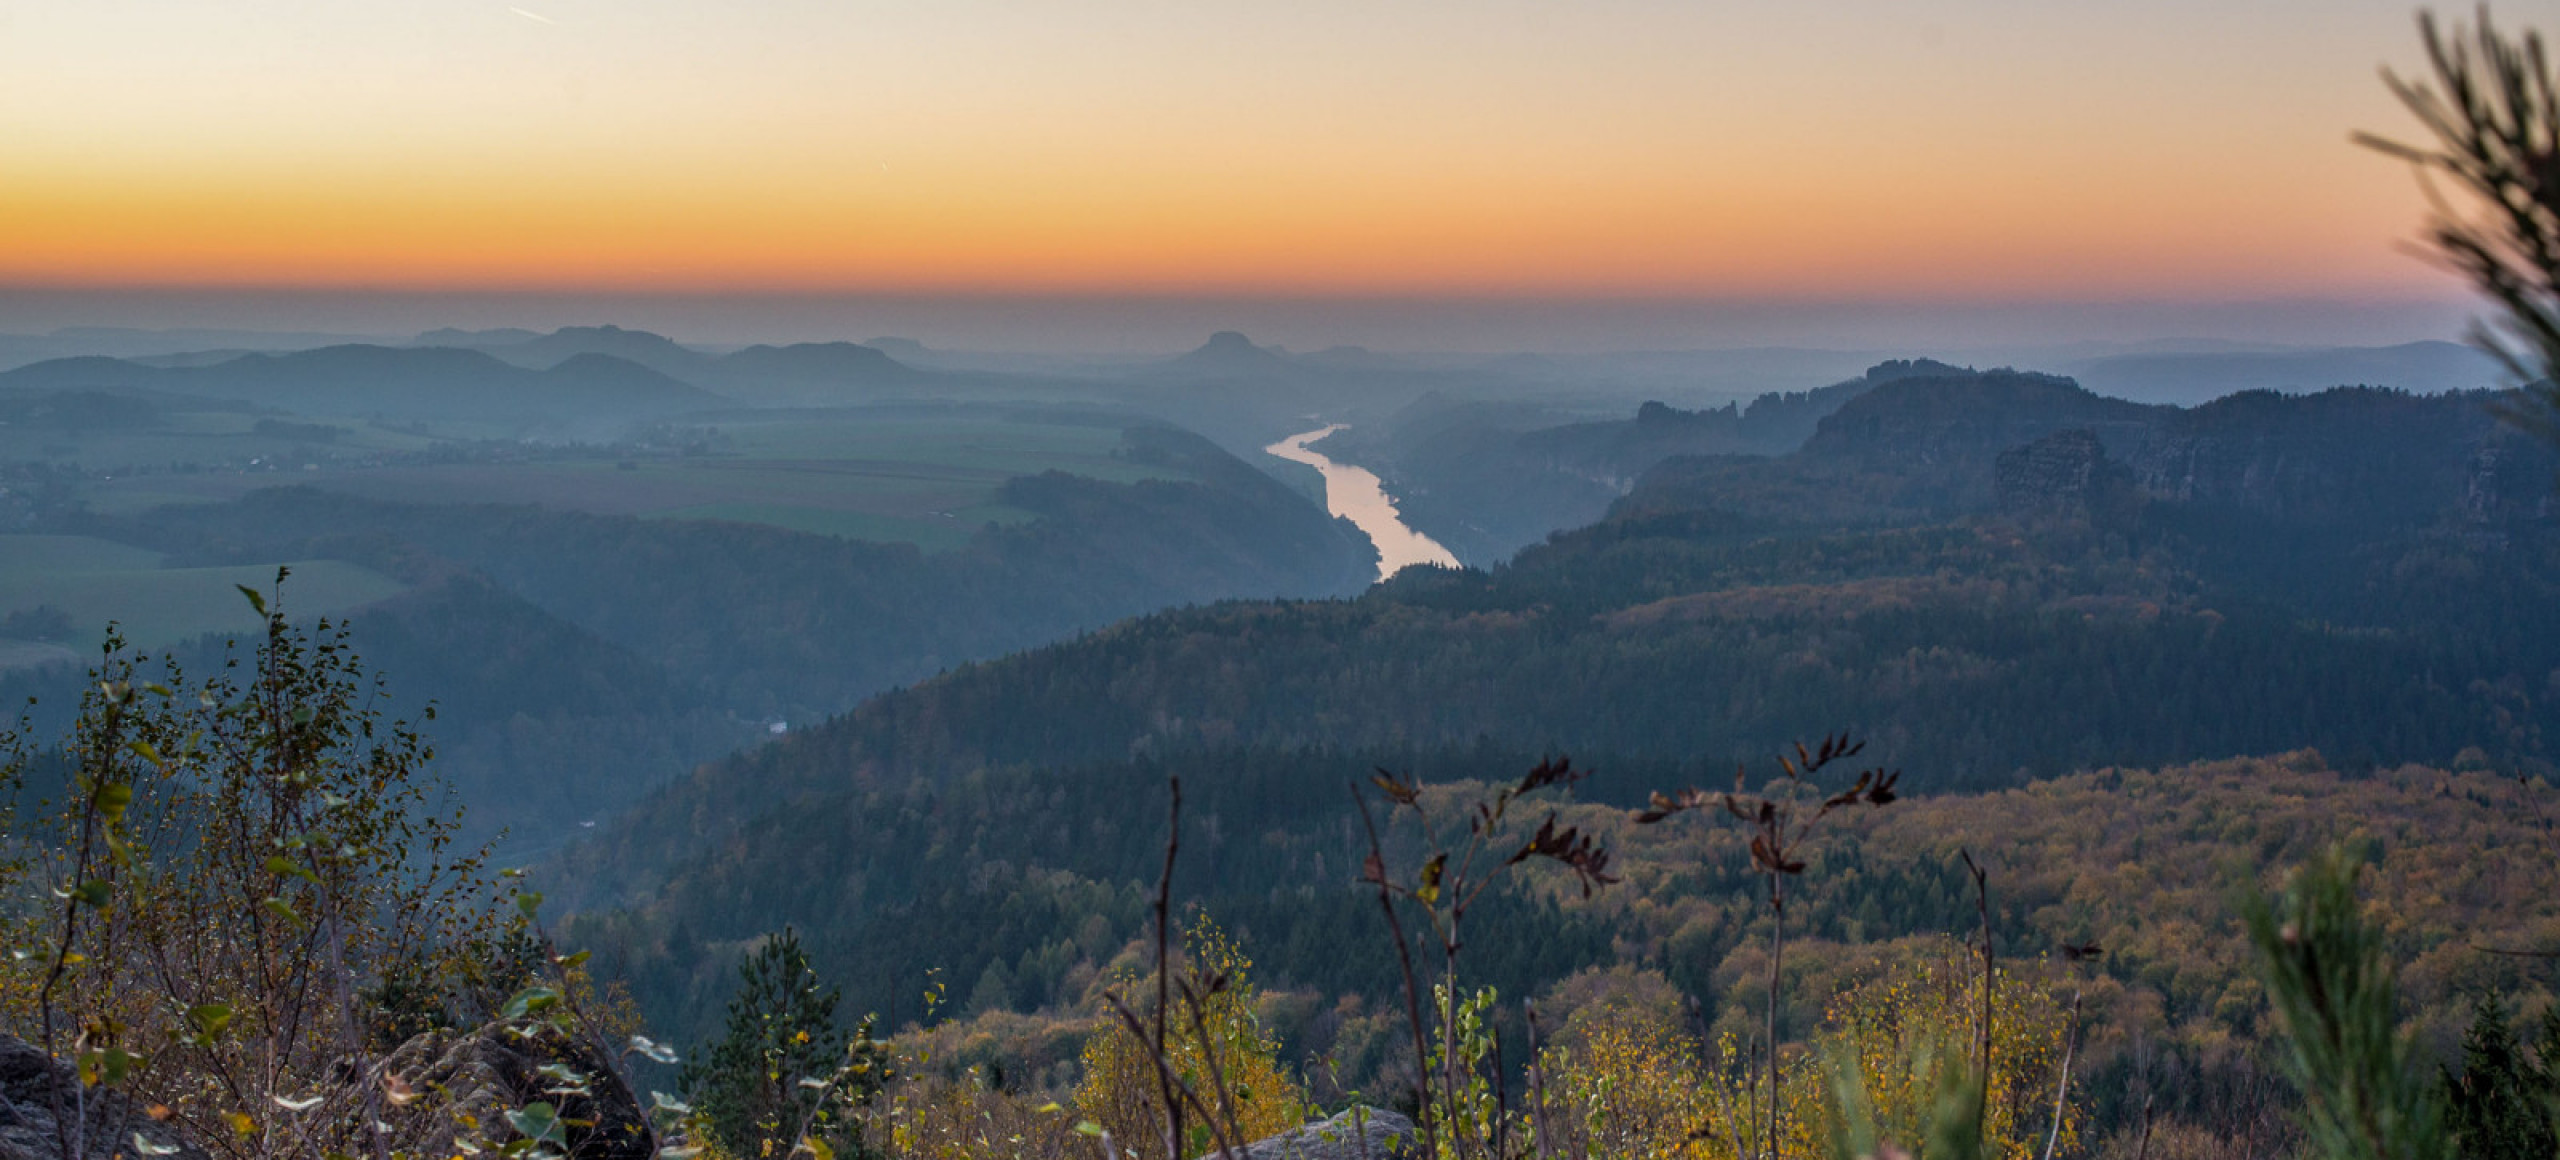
(1486, 479)
(393, 382)
(1925, 448)
(2189, 377)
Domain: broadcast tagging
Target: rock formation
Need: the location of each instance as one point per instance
(444, 1090)
(1358, 1134)
(32, 1086)
(2064, 474)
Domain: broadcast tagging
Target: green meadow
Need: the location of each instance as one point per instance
(94, 581)
(928, 478)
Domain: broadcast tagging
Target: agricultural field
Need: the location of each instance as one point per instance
(57, 594)
(202, 436)
(923, 476)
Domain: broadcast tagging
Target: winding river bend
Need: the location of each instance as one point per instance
(1355, 494)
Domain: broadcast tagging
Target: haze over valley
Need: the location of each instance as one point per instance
(669, 581)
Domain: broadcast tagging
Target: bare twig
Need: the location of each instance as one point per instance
(1982, 1025)
(2073, 954)
(1164, 918)
(1779, 829)
(1375, 871)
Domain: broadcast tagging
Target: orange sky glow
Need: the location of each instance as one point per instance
(1979, 148)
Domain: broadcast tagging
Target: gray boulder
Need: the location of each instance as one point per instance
(32, 1085)
(1360, 1133)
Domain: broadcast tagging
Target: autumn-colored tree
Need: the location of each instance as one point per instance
(1631, 1086)
(1898, 1042)
(1120, 1092)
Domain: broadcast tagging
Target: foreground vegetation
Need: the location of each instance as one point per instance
(240, 919)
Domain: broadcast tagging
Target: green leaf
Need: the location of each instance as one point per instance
(114, 799)
(255, 601)
(209, 1018)
(537, 1121)
(1088, 1128)
(530, 1001)
(288, 868)
(573, 960)
(529, 902)
(92, 894)
(106, 1066)
(284, 910)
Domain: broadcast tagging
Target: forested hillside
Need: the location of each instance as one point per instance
(1020, 886)
(578, 658)
(1486, 479)
(1957, 567)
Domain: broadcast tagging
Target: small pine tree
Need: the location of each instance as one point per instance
(2497, 1105)
(785, 1069)
(2330, 979)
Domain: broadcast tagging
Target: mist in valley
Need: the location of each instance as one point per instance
(652, 581)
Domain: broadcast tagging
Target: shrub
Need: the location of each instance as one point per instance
(241, 886)
(1120, 1092)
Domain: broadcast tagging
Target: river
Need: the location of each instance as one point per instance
(1355, 494)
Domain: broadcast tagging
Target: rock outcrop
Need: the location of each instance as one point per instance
(32, 1086)
(2066, 474)
(1358, 1134)
(440, 1094)
(446, 1093)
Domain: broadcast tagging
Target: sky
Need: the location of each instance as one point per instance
(174, 162)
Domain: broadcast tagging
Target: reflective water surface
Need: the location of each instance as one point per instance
(1355, 494)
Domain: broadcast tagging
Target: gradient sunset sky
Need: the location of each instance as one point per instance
(1991, 151)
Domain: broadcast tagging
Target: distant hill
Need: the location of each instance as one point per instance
(18, 350)
(1230, 355)
(504, 336)
(1487, 479)
(812, 374)
(798, 375)
(1927, 448)
(654, 351)
(537, 351)
(410, 383)
(2186, 378)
